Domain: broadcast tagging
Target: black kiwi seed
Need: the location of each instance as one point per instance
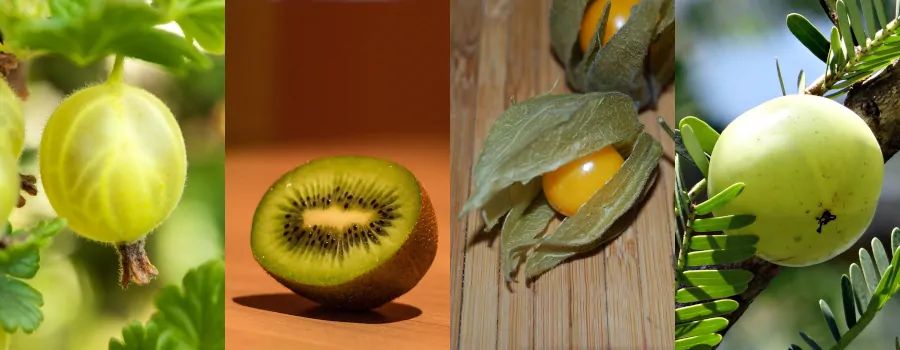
(334, 242)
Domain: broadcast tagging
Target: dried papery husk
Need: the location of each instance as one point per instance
(638, 60)
(598, 221)
(539, 135)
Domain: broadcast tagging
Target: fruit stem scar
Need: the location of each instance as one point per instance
(824, 219)
(135, 266)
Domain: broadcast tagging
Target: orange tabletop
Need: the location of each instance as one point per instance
(262, 314)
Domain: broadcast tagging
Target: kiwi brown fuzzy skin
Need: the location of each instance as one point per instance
(391, 279)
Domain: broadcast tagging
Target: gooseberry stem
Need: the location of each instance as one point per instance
(116, 74)
(134, 264)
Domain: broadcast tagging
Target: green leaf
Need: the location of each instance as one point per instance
(137, 337)
(195, 313)
(698, 341)
(780, 78)
(706, 242)
(543, 133)
(705, 310)
(808, 35)
(719, 256)
(829, 320)
(860, 289)
(801, 82)
(21, 255)
(722, 223)
(887, 286)
(881, 258)
(839, 55)
(868, 269)
(720, 199)
(701, 327)
(593, 224)
(20, 307)
(845, 28)
(869, 15)
(847, 299)
(190, 317)
(695, 294)
(716, 277)
(706, 135)
(694, 149)
(856, 23)
(523, 225)
(202, 20)
(88, 30)
(895, 239)
(810, 341)
(879, 12)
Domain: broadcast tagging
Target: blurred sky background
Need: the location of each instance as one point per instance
(726, 52)
(83, 304)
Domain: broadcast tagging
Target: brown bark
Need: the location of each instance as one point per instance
(877, 101)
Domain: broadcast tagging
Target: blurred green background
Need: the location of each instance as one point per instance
(726, 52)
(83, 304)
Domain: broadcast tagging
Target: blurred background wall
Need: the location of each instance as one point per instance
(725, 57)
(380, 66)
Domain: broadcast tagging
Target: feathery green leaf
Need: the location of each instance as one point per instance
(695, 294)
(860, 289)
(708, 340)
(694, 149)
(719, 199)
(847, 299)
(707, 326)
(716, 277)
(705, 310)
(719, 256)
(808, 35)
(829, 320)
(868, 269)
(780, 78)
(707, 242)
(722, 223)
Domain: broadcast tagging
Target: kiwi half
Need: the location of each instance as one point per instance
(346, 232)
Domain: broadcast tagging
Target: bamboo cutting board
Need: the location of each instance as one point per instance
(618, 297)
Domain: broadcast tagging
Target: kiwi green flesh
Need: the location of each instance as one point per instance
(386, 282)
(330, 221)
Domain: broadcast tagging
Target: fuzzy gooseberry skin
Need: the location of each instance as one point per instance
(570, 186)
(619, 11)
(12, 121)
(113, 162)
(799, 156)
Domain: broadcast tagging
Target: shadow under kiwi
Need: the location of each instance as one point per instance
(295, 305)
